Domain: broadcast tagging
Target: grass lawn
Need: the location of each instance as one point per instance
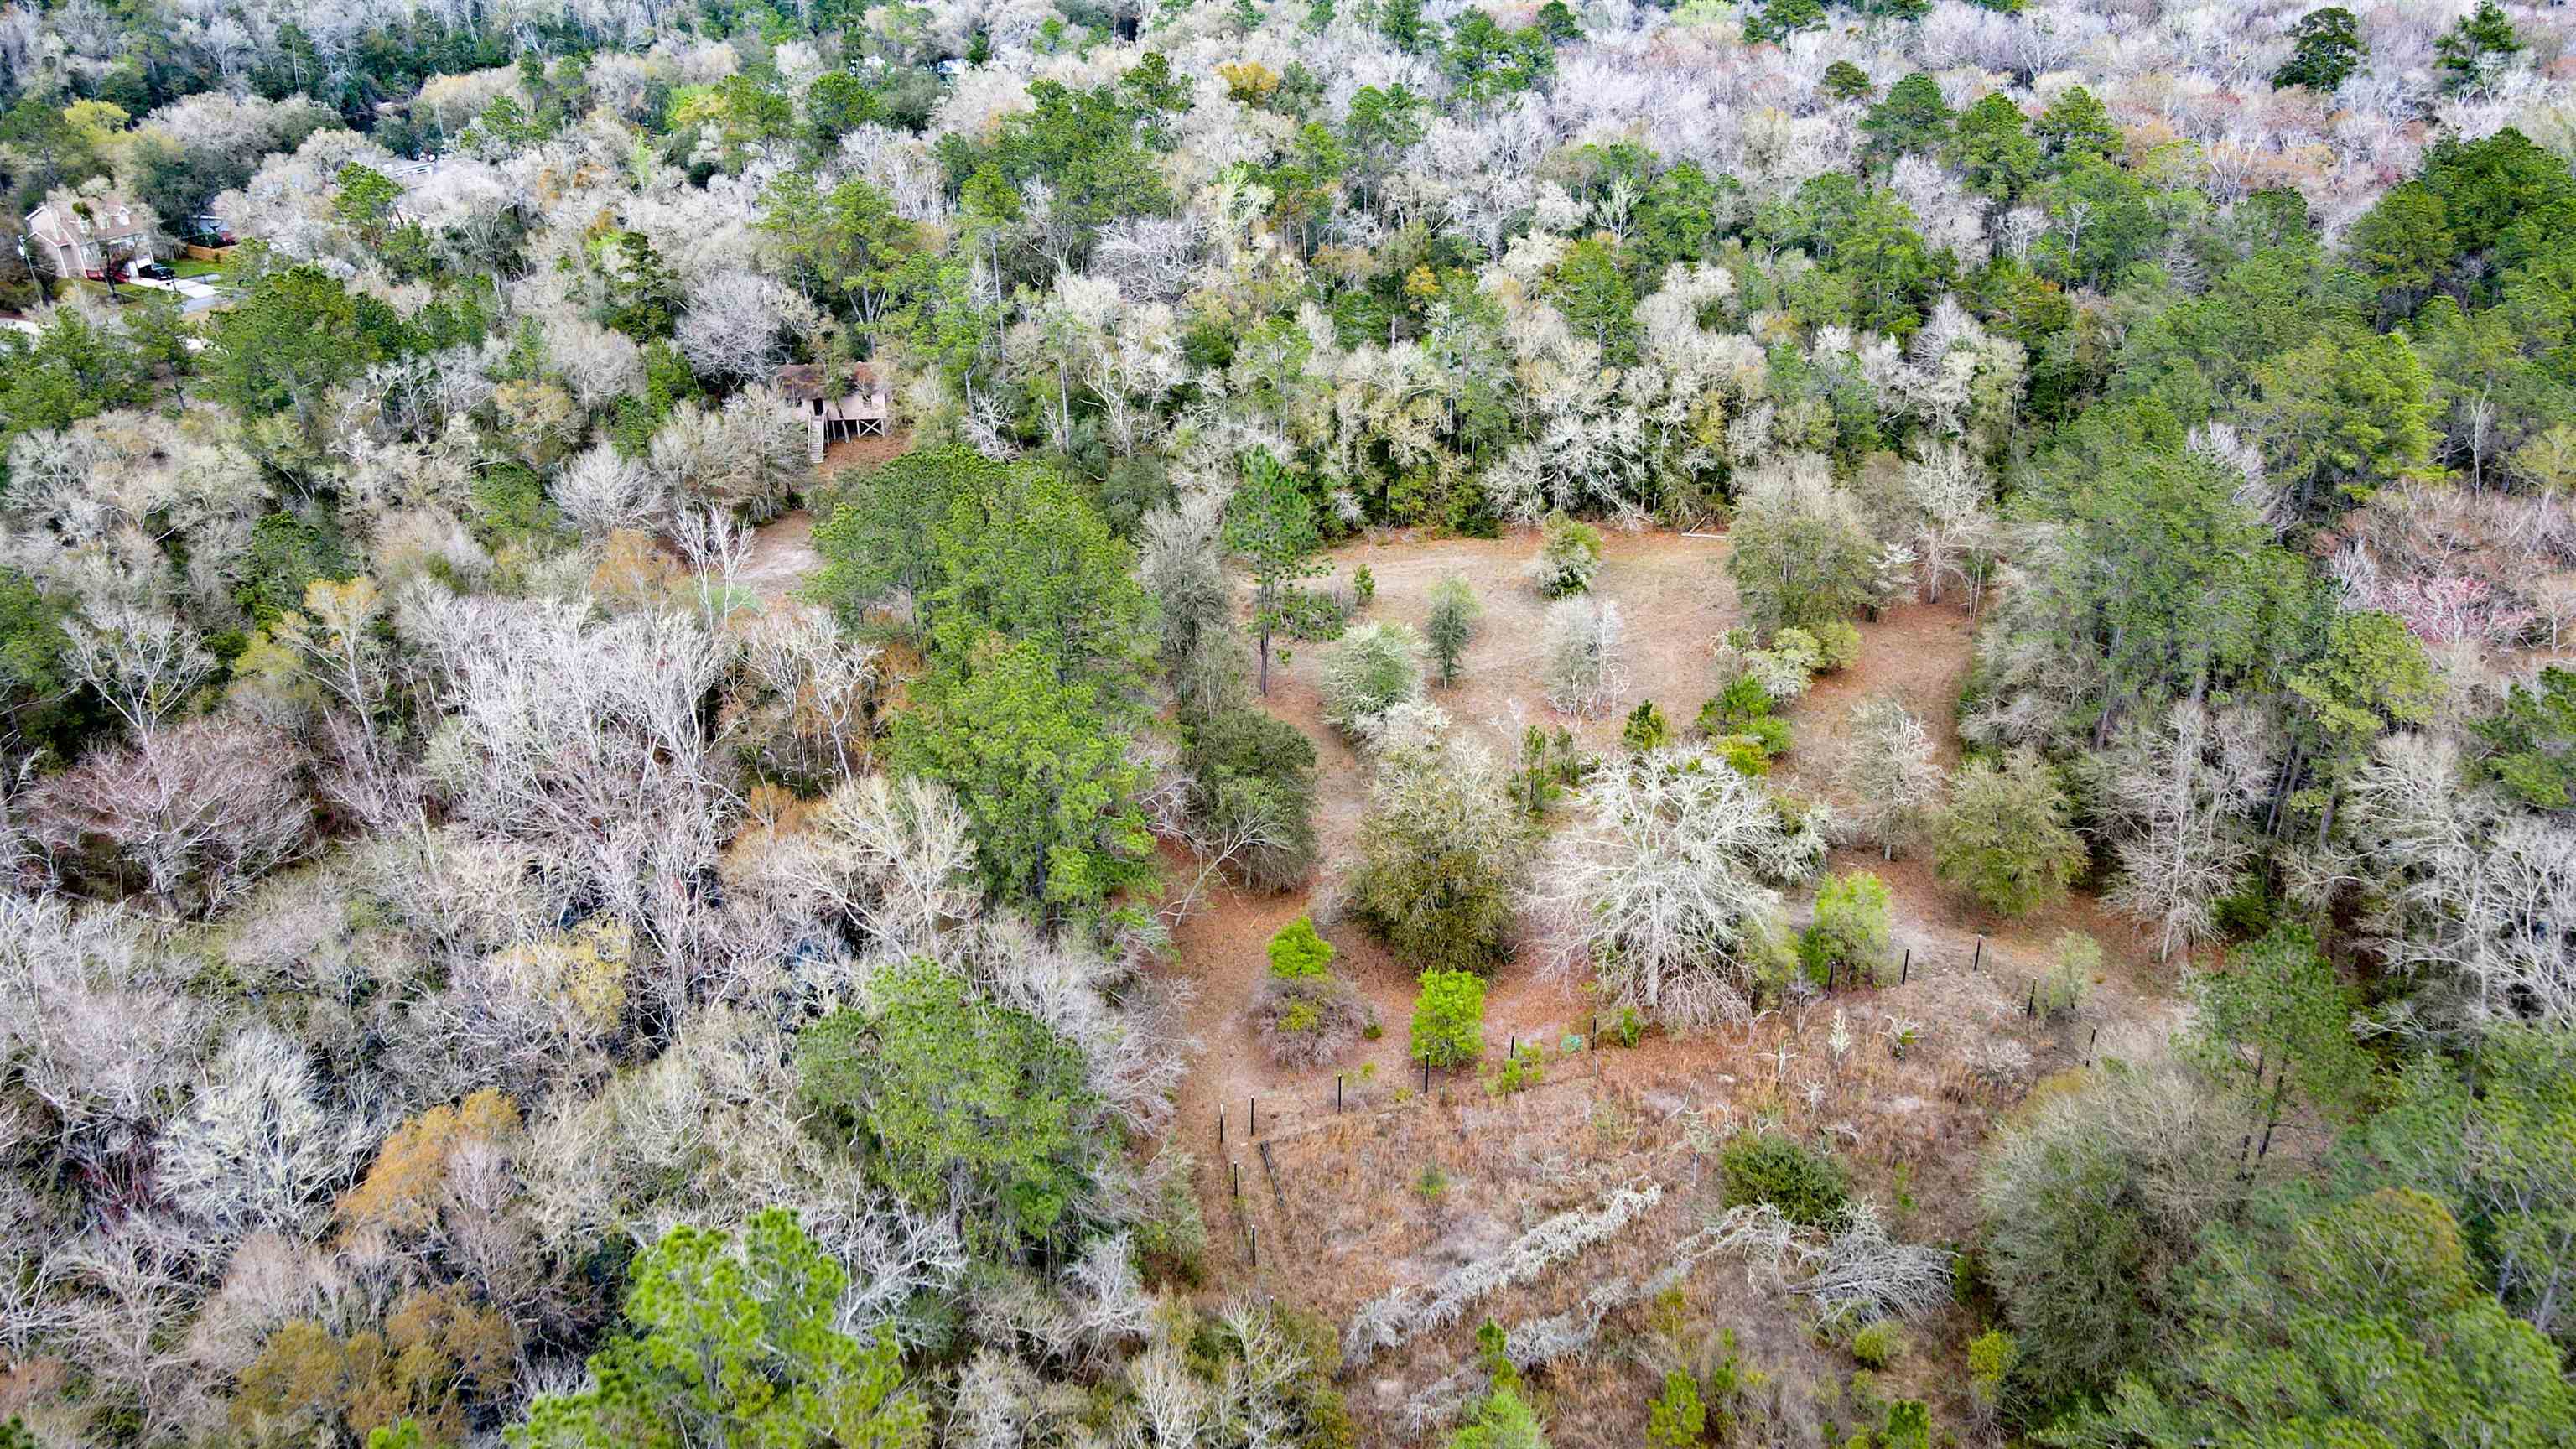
(191, 267)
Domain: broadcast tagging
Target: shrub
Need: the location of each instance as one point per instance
(1569, 554)
(1363, 588)
(1741, 702)
(1764, 1167)
(2003, 836)
(2063, 989)
(1837, 645)
(1879, 1344)
(1297, 951)
(1441, 857)
(1784, 668)
(1743, 754)
(1253, 776)
(1850, 933)
(1306, 1021)
(1449, 1018)
(1171, 1236)
(1645, 729)
(1770, 732)
(1375, 668)
(1990, 1361)
(1525, 1067)
(1676, 1419)
(1453, 623)
(1908, 1426)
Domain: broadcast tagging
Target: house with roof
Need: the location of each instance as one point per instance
(849, 400)
(89, 235)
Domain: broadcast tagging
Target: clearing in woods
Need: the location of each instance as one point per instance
(1396, 1190)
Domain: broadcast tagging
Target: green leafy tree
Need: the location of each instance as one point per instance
(1803, 554)
(2495, 186)
(2346, 413)
(732, 1342)
(1452, 624)
(2404, 244)
(2095, 1197)
(848, 242)
(838, 103)
(1027, 556)
(2077, 130)
(2529, 745)
(1253, 780)
(1449, 1018)
(1270, 524)
(2358, 1325)
(2003, 835)
(2474, 52)
(2494, 1139)
(2167, 581)
(2276, 1029)
(1777, 20)
(1401, 21)
(1591, 287)
(1486, 61)
(956, 1102)
(1845, 81)
(1913, 120)
(641, 295)
(74, 369)
(2373, 677)
(875, 538)
(1993, 147)
(296, 335)
(1043, 775)
(2327, 48)
(364, 199)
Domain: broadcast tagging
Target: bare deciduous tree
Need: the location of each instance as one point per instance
(2181, 794)
(1667, 885)
(1888, 773)
(199, 811)
(1587, 655)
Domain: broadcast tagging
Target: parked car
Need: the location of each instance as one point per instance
(157, 271)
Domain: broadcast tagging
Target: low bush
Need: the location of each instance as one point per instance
(1851, 930)
(1449, 1018)
(1569, 554)
(1764, 1167)
(1299, 951)
(1375, 668)
(1307, 1021)
(1879, 1343)
(1837, 645)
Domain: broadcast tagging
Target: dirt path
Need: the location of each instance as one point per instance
(782, 554)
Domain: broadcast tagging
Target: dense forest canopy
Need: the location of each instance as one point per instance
(564, 890)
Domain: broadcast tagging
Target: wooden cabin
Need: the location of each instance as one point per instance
(854, 401)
